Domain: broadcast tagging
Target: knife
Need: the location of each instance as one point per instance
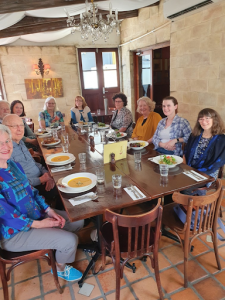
(136, 190)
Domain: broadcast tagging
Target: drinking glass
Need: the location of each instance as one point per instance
(54, 133)
(102, 133)
(100, 173)
(82, 158)
(98, 111)
(65, 138)
(137, 157)
(63, 127)
(65, 147)
(163, 170)
(117, 181)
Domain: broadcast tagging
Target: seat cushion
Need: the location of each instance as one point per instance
(107, 233)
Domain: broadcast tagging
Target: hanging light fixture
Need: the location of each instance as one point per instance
(93, 25)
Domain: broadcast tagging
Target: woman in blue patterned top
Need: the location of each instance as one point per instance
(205, 149)
(50, 116)
(172, 131)
(81, 112)
(26, 221)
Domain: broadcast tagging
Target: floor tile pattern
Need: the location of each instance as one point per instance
(33, 281)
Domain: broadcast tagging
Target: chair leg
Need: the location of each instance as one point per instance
(215, 245)
(186, 254)
(157, 277)
(118, 276)
(4, 281)
(55, 276)
(103, 249)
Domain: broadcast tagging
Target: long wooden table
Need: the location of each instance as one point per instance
(147, 179)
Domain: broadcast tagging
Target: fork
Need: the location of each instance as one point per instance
(130, 188)
(193, 174)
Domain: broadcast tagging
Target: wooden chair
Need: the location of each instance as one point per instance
(127, 237)
(207, 207)
(18, 258)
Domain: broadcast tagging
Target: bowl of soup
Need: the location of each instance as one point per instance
(60, 159)
(80, 182)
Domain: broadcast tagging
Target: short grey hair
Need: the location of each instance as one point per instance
(47, 100)
(6, 129)
(4, 101)
(148, 101)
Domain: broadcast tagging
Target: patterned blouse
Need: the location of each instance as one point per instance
(57, 118)
(202, 145)
(20, 203)
(123, 118)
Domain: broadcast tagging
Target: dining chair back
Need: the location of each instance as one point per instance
(201, 217)
(18, 258)
(128, 237)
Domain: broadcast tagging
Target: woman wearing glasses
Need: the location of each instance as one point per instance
(205, 149)
(50, 116)
(81, 112)
(122, 118)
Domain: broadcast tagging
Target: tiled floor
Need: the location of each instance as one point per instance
(34, 280)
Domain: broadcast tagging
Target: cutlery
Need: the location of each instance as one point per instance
(134, 192)
(199, 175)
(193, 174)
(63, 168)
(138, 193)
(52, 147)
(93, 197)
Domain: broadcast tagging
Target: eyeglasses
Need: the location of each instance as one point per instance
(6, 143)
(15, 126)
(118, 101)
(207, 119)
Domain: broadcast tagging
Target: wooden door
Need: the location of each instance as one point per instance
(99, 71)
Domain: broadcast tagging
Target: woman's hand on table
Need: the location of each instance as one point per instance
(170, 145)
(46, 223)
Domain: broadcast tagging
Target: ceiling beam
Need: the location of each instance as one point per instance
(10, 6)
(29, 25)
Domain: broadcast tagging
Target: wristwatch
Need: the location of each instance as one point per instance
(178, 141)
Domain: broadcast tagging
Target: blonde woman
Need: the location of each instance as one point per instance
(50, 114)
(81, 112)
(148, 122)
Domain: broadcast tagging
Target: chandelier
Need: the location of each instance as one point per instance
(93, 25)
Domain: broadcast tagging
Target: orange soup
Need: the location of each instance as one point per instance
(60, 158)
(79, 182)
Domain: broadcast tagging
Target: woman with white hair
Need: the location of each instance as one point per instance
(148, 122)
(50, 116)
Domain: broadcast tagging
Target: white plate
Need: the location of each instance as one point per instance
(105, 127)
(50, 128)
(51, 144)
(49, 162)
(179, 160)
(137, 141)
(42, 134)
(65, 181)
(123, 134)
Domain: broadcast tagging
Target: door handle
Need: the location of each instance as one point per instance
(104, 91)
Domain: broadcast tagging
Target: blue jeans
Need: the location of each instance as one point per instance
(164, 151)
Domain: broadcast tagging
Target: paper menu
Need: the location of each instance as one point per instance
(119, 149)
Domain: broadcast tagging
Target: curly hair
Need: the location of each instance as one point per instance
(84, 103)
(122, 96)
(13, 104)
(148, 101)
(217, 126)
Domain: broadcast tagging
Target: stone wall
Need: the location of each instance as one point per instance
(16, 64)
(197, 44)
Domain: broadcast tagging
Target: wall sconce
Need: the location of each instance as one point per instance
(41, 68)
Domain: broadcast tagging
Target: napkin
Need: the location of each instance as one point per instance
(81, 199)
(138, 194)
(60, 169)
(196, 176)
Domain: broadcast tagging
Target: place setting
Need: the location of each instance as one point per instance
(60, 161)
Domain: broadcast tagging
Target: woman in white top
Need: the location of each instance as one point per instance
(81, 112)
(172, 130)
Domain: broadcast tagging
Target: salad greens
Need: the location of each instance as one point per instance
(167, 160)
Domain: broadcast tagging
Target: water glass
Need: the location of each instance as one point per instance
(100, 173)
(163, 181)
(163, 170)
(63, 127)
(54, 133)
(102, 134)
(65, 138)
(82, 158)
(137, 157)
(98, 111)
(137, 167)
(117, 181)
(65, 147)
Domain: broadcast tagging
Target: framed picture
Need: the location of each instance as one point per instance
(43, 88)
